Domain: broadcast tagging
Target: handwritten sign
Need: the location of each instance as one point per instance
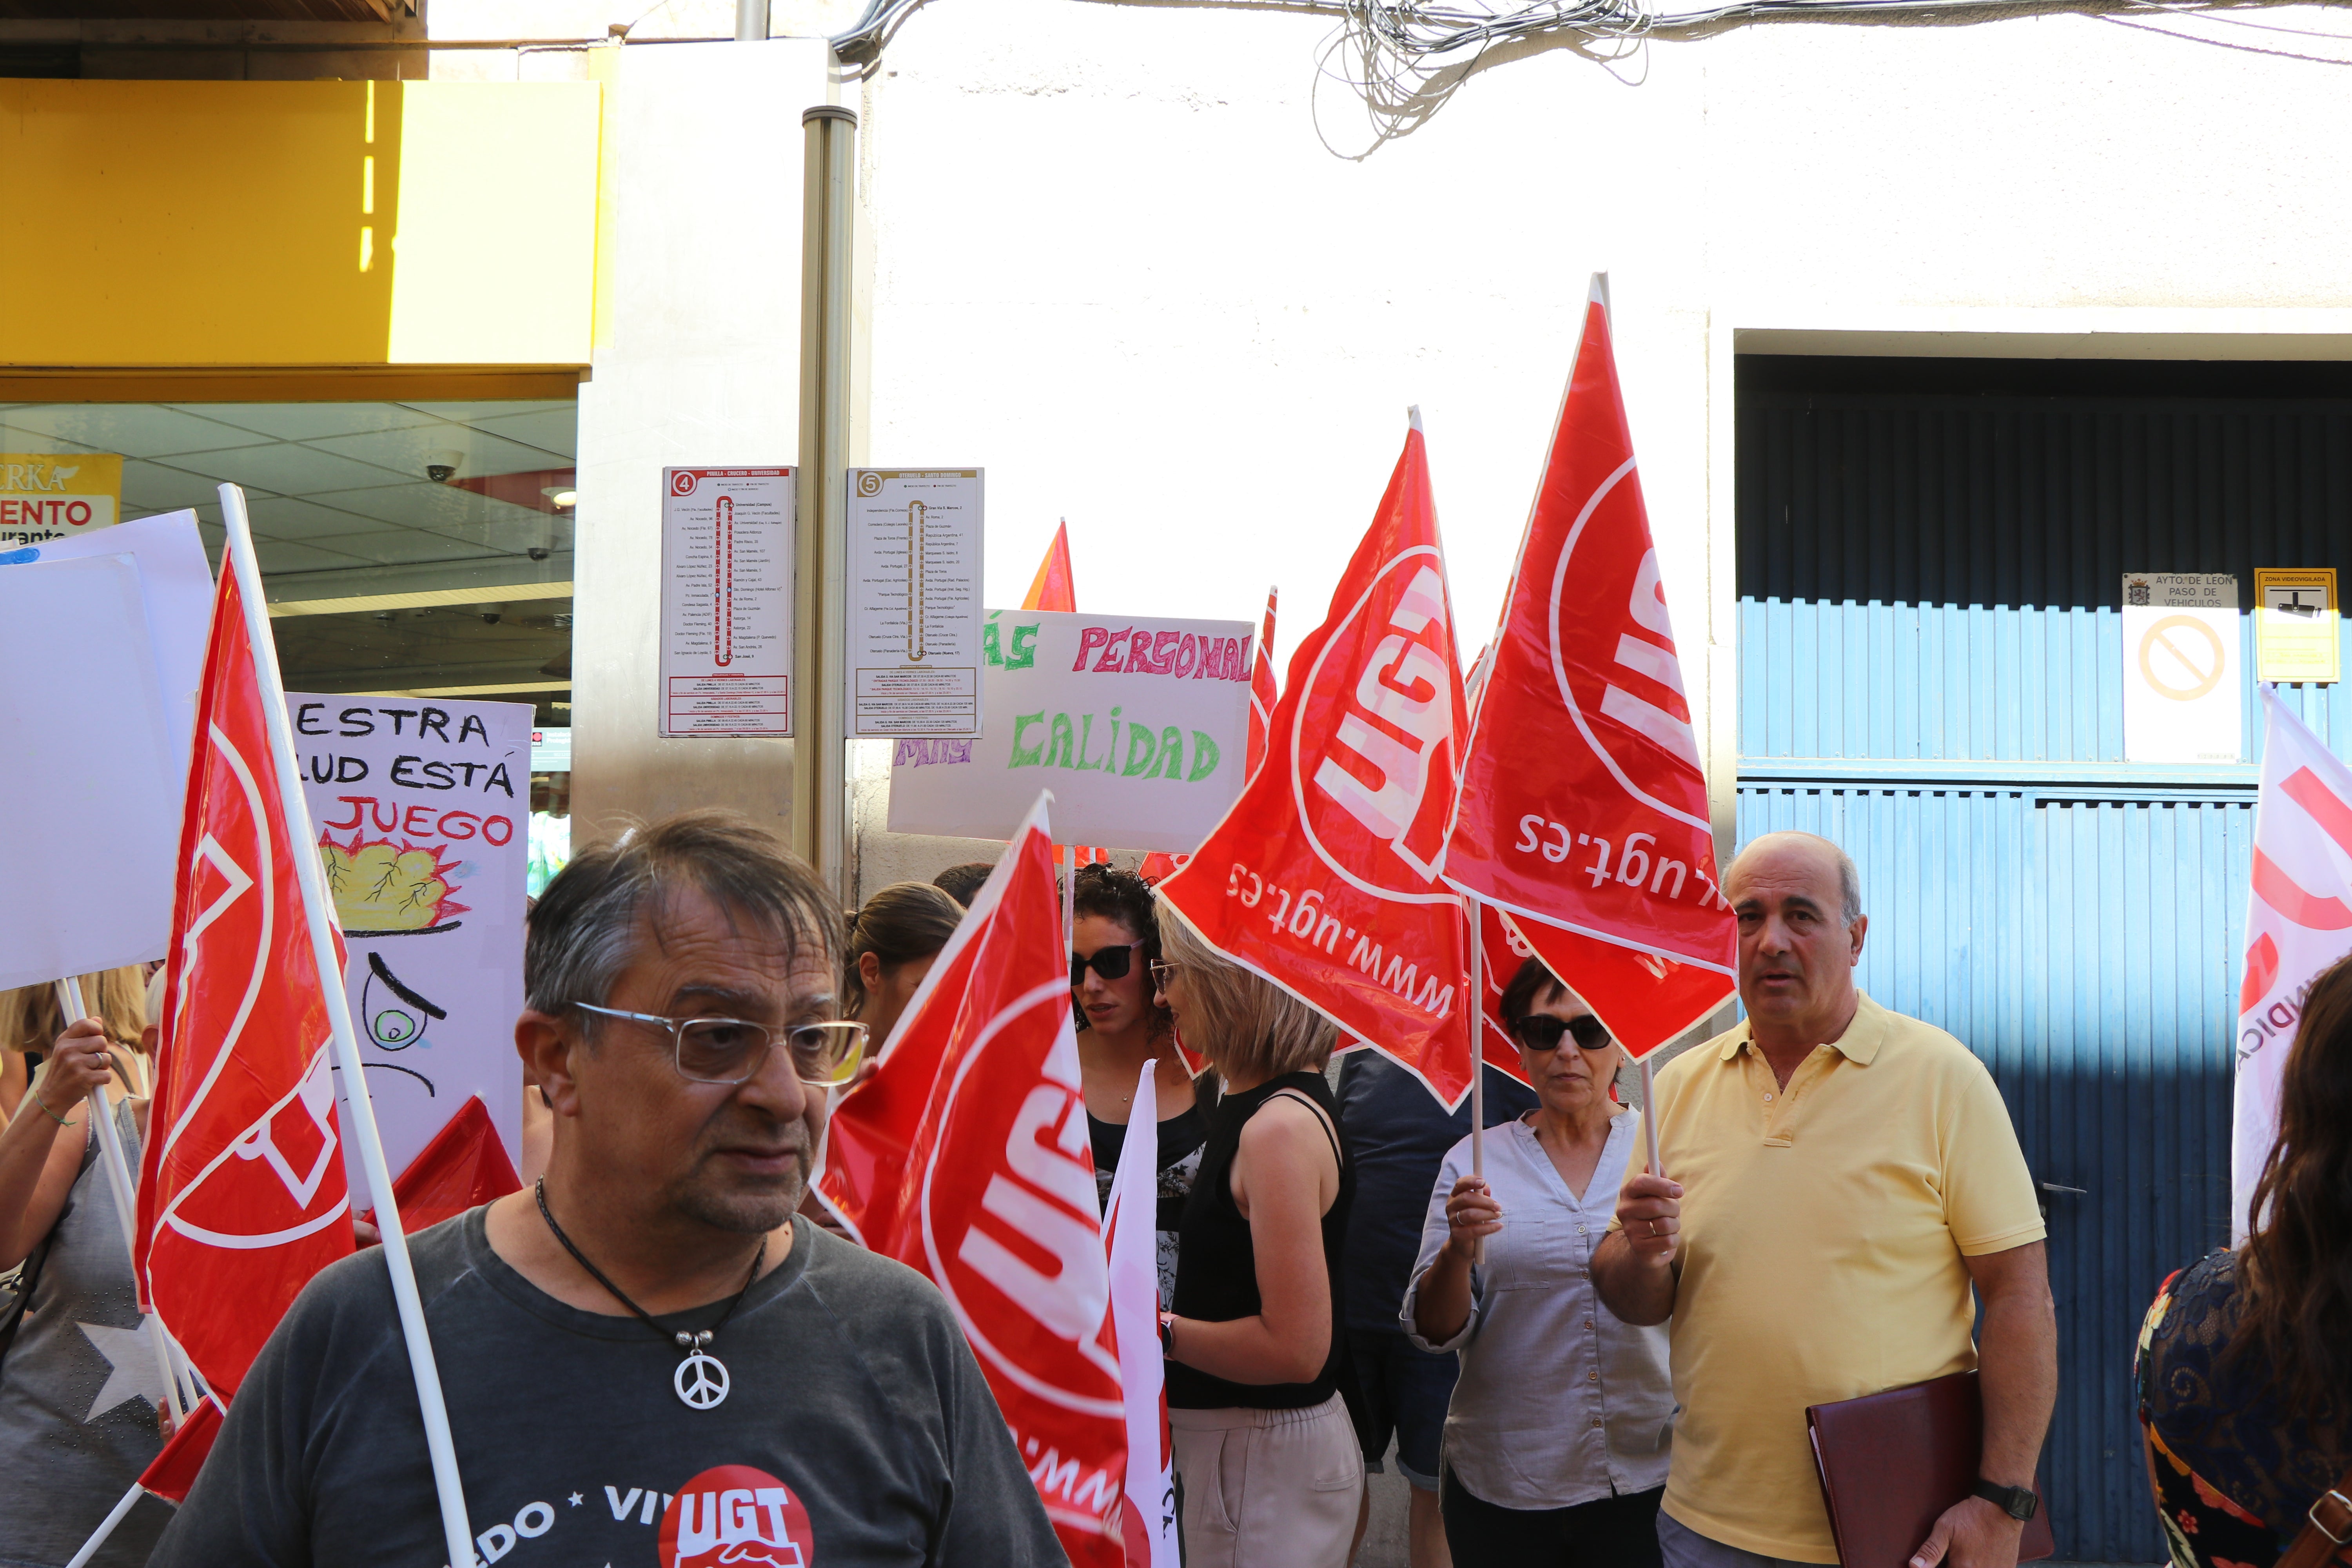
(1139, 728)
(423, 811)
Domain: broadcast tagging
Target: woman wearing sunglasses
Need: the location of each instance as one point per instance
(1558, 1435)
(1271, 1470)
(1115, 940)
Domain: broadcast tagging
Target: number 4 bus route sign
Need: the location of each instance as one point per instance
(727, 603)
(2295, 631)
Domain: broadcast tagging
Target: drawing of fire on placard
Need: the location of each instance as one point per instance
(383, 889)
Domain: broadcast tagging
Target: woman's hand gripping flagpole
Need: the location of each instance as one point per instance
(72, 1006)
(315, 907)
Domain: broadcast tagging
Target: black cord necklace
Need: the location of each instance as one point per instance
(701, 1379)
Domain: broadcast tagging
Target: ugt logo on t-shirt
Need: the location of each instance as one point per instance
(737, 1517)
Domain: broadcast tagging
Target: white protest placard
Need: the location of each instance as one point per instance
(1139, 728)
(423, 811)
(914, 659)
(727, 601)
(94, 751)
(2181, 667)
(86, 759)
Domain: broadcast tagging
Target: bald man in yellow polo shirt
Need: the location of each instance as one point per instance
(1838, 1178)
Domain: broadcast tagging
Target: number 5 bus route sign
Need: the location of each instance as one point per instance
(727, 603)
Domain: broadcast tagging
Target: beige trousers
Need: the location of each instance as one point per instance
(1268, 1489)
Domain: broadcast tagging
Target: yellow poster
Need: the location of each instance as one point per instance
(2294, 624)
(58, 495)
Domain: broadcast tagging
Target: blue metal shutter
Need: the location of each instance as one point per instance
(1930, 664)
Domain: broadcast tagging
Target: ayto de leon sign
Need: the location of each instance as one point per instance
(1139, 728)
(58, 495)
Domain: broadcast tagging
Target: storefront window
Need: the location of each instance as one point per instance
(406, 549)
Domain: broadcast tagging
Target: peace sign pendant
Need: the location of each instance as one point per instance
(701, 1381)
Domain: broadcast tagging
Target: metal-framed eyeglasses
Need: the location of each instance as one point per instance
(1542, 1032)
(733, 1050)
(1161, 973)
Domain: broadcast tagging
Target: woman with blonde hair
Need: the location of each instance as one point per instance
(1271, 1470)
(78, 1381)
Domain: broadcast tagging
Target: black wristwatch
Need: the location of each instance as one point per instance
(2018, 1502)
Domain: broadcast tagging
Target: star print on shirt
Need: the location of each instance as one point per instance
(575, 1499)
(130, 1366)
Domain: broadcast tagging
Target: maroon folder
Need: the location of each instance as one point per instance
(1892, 1463)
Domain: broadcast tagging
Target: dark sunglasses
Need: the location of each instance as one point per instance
(1110, 962)
(1541, 1032)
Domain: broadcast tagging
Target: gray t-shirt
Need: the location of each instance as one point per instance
(79, 1387)
(857, 1429)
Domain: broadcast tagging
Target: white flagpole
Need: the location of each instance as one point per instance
(126, 1195)
(106, 1527)
(1477, 1021)
(1650, 1112)
(315, 907)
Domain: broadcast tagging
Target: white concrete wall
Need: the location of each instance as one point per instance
(1133, 260)
(696, 362)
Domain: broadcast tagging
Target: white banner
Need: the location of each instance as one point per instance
(423, 812)
(2298, 922)
(1138, 727)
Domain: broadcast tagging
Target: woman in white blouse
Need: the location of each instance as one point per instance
(1558, 1437)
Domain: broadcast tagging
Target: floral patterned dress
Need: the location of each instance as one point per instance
(2233, 1473)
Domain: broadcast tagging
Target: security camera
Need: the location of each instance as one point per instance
(536, 554)
(491, 618)
(442, 467)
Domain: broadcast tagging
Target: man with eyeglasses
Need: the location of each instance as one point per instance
(646, 1357)
(1837, 1178)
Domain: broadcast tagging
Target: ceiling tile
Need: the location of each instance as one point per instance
(303, 421)
(289, 517)
(286, 469)
(406, 452)
(400, 546)
(555, 430)
(133, 430)
(426, 505)
(471, 413)
(160, 486)
(278, 555)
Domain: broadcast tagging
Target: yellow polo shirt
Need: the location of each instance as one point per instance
(1823, 1230)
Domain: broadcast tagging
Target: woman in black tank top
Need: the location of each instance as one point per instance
(1271, 1469)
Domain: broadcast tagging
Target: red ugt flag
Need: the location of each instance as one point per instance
(1322, 876)
(967, 1158)
(1053, 587)
(1583, 807)
(243, 1196)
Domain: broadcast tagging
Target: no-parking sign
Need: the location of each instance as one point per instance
(2181, 667)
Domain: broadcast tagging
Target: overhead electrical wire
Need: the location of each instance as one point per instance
(1401, 43)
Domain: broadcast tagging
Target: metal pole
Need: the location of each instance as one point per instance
(311, 873)
(126, 1195)
(820, 777)
(751, 21)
